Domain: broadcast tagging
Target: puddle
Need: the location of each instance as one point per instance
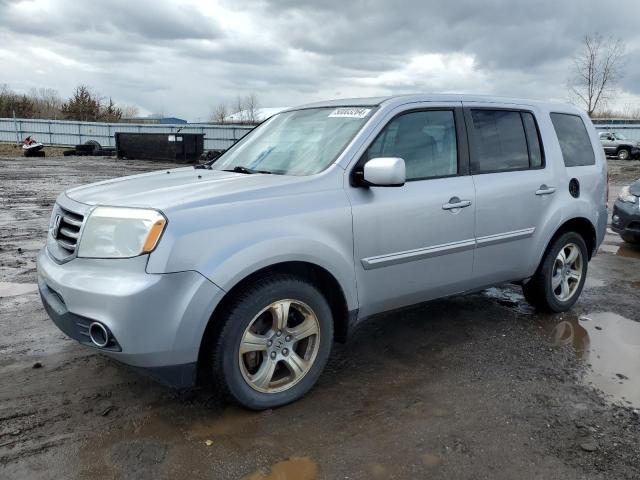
(14, 289)
(503, 295)
(508, 297)
(629, 251)
(295, 468)
(610, 345)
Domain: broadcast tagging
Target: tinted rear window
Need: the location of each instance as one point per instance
(500, 141)
(574, 140)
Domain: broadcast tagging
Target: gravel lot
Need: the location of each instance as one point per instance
(469, 387)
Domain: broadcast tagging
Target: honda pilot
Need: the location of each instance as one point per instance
(245, 270)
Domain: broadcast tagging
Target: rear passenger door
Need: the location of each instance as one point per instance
(514, 190)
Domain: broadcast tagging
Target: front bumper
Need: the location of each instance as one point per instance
(626, 219)
(156, 320)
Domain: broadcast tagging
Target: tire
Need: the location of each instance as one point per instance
(96, 146)
(539, 290)
(624, 154)
(240, 377)
(630, 238)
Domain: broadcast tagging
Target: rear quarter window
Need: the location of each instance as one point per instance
(574, 140)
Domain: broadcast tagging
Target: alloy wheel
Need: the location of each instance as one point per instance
(623, 154)
(279, 346)
(567, 272)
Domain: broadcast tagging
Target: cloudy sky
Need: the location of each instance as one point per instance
(182, 57)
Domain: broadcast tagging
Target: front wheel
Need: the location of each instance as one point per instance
(559, 280)
(275, 342)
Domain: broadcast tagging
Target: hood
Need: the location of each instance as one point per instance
(173, 188)
(634, 188)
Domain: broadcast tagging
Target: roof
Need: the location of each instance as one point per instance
(171, 120)
(431, 97)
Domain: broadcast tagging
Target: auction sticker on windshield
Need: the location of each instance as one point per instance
(350, 112)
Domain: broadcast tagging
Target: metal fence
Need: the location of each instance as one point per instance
(65, 133)
(629, 128)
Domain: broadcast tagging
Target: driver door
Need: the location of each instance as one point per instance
(608, 143)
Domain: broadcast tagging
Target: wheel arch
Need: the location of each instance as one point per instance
(624, 147)
(581, 225)
(317, 275)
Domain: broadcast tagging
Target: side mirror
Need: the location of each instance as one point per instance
(384, 172)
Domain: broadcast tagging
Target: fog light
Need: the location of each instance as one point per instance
(616, 219)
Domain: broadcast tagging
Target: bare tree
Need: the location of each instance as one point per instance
(246, 109)
(47, 102)
(239, 108)
(251, 108)
(129, 111)
(597, 68)
(631, 111)
(219, 113)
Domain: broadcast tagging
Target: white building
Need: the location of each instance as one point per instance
(260, 115)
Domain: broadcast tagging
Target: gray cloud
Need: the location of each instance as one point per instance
(182, 58)
(146, 19)
(500, 33)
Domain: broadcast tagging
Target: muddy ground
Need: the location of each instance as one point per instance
(469, 387)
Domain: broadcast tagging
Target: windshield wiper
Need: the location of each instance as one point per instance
(248, 171)
(202, 166)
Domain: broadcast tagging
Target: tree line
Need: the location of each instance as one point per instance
(245, 106)
(45, 103)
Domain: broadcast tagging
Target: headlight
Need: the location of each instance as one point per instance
(625, 196)
(114, 232)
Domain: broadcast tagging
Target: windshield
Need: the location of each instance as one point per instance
(300, 142)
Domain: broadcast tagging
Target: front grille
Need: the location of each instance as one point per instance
(68, 232)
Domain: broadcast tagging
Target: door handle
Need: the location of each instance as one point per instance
(455, 203)
(544, 190)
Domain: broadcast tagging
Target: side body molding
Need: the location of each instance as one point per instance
(444, 249)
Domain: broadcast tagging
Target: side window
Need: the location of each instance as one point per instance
(425, 140)
(533, 140)
(500, 141)
(574, 140)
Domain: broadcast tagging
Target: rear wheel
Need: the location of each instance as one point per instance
(558, 282)
(623, 154)
(275, 342)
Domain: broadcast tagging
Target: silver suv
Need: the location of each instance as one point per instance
(617, 145)
(245, 271)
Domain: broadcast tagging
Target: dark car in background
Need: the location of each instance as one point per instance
(617, 145)
(626, 213)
